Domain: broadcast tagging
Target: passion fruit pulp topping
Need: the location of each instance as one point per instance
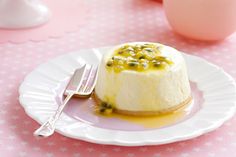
(138, 57)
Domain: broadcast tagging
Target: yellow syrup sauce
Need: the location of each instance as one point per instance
(157, 121)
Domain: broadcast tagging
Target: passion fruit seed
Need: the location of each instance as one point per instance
(129, 49)
(143, 60)
(106, 105)
(109, 63)
(162, 58)
(103, 104)
(164, 63)
(157, 64)
(102, 110)
(142, 57)
(148, 50)
(133, 64)
(132, 53)
(154, 61)
(116, 58)
(137, 47)
(132, 60)
(160, 64)
(109, 106)
(144, 46)
(105, 108)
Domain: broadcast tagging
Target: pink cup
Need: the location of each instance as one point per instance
(202, 19)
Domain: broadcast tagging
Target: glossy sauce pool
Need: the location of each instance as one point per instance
(83, 110)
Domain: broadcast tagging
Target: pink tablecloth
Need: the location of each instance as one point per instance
(113, 22)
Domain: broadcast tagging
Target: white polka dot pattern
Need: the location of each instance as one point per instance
(112, 22)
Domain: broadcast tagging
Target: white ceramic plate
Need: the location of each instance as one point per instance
(214, 93)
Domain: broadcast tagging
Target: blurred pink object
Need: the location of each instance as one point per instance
(66, 17)
(16, 14)
(202, 19)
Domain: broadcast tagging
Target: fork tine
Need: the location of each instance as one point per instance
(90, 88)
(76, 81)
(87, 79)
(87, 89)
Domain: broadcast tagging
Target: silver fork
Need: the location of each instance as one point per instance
(81, 84)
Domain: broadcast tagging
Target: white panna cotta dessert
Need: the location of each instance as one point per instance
(142, 78)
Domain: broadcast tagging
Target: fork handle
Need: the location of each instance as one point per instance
(48, 128)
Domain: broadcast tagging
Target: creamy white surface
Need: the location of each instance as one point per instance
(153, 90)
